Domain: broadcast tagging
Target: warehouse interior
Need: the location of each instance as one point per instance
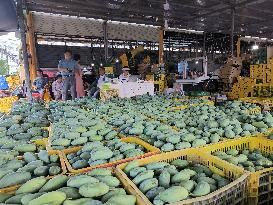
(137, 102)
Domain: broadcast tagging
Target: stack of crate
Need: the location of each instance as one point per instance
(243, 88)
(230, 71)
(258, 72)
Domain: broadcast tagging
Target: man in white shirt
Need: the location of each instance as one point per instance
(102, 78)
(125, 76)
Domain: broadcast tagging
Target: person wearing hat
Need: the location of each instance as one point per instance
(125, 76)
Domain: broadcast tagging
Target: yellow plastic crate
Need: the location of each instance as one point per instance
(52, 151)
(153, 118)
(260, 183)
(233, 193)
(41, 142)
(250, 99)
(182, 107)
(253, 110)
(108, 93)
(48, 143)
(265, 103)
(211, 103)
(202, 97)
(114, 173)
(151, 150)
(12, 189)
(6, 103)
(266, 134)
(175, 99)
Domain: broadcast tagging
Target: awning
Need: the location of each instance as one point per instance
(8, 22)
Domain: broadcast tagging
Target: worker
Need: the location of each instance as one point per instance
(125, 76)
(40, 83)
(101, 79)
(68, 67)
(78, 75)
(57, 87)
(183, 68)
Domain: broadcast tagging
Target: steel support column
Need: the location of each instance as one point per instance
(232, 31)
(22, 28)
(161, 46)
(105, 38)
(239, 47)
(31, 46)
(204, 45)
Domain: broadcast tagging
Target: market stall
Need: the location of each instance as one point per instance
(127, 89)
(144, 141)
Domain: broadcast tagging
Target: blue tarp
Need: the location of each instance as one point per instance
(3, 83)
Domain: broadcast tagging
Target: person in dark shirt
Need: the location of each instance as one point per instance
(96, 85)
(57, 87)
(68, 67)
(40, 83)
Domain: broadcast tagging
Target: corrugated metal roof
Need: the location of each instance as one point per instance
(65, 25)
(45, 23)
(253, 17)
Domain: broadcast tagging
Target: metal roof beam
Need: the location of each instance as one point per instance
(98, 16)
(93, 7)
(221, 9)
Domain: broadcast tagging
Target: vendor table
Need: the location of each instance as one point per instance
(130, 89)
(182, 82)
